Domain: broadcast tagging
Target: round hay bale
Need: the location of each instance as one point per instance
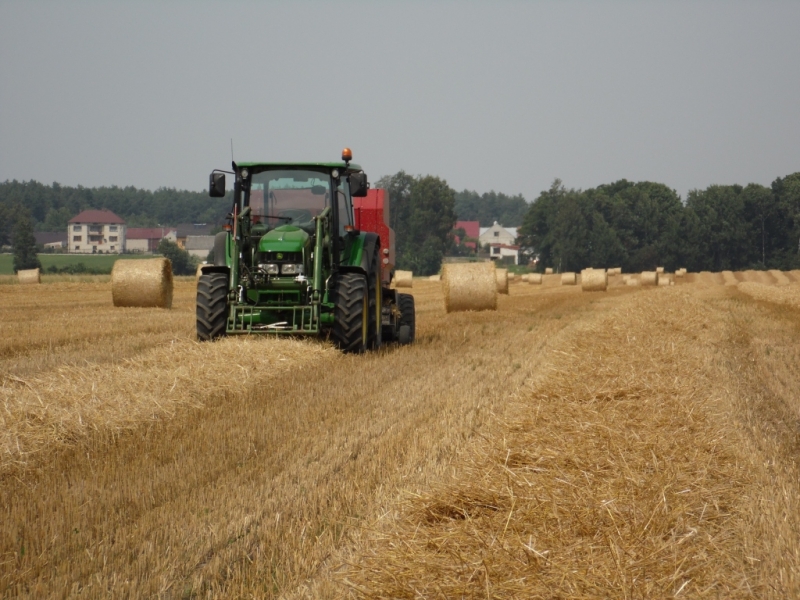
(501, 275)
(512, 276)
(145, 282)
(594, 280)
(632, 281)
(535, 278)
(403, 279)
(659, 270)
(569, 279)
(436, 277)
(649, 278)
(469, 286)
(680, 272)
(26, 276)
(548, 271)
(525, 278)
(664, 279)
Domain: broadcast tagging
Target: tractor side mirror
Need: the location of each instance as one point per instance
(216, 185)
(358, 185)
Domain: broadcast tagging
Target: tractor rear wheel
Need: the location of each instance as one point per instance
(407, 324)
(212, 306)
(350, 296)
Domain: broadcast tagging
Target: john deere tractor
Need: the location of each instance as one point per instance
(293, 261)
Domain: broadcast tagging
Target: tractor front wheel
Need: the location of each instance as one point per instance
(212, 306)
(350, 296)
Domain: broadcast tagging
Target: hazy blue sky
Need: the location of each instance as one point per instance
(488, 95)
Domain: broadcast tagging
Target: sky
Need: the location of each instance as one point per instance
(503, 95)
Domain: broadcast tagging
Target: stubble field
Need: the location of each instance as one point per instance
(634, 443)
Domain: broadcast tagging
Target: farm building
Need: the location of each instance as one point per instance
(147, 239)
(186, 230)
(199, 245)
(499, 251)
(49, 239)
(96, 231)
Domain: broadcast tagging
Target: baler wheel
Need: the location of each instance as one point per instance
(350, 295)
(212, 306)
(405, 302)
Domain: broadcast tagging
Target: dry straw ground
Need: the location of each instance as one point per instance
(635, 443)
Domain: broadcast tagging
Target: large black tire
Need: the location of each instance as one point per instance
(212, 306)
(375, 302)
(220, 248)
(350, 296)
(405, 302)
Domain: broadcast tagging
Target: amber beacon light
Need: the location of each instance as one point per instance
(347, 155)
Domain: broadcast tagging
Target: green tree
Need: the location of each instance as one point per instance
(25, 245)
(182, 262)
(490, 207)
(422, 216)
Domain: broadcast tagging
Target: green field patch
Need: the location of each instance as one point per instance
(92, 263)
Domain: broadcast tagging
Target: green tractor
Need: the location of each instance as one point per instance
(297, 259)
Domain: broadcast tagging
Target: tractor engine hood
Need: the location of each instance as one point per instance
(286, 238)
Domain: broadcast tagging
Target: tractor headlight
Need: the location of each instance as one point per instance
(291, 269)
(269, 268)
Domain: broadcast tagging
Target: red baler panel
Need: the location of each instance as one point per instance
(372, 214)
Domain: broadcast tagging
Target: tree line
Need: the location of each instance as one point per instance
(639, 226)
(50, 207)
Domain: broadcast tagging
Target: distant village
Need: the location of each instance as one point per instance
(103, 232)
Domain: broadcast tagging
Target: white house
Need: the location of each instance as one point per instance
(497, 234)
(96, 231)
(499, 251)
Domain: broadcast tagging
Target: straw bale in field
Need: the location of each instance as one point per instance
(535, 278)
(594, 280)
(680, 272)
(436, 277)
(632, 281)
(649, 278)
(780, 277)
(29, 276)
(614, 271)
(569, 279)
(512, 276)
(524, 278)
(142, 282)
(469, 286)
(548, 271)
(403, 279)
(664, 279)
(502, 280)
(659, 270)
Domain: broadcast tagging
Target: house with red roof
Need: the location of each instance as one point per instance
(96, 232)
(147, 239)
(471, 229)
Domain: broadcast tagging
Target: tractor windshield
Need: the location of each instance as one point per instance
(289, 197)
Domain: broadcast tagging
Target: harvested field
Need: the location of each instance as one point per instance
(637, 443)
